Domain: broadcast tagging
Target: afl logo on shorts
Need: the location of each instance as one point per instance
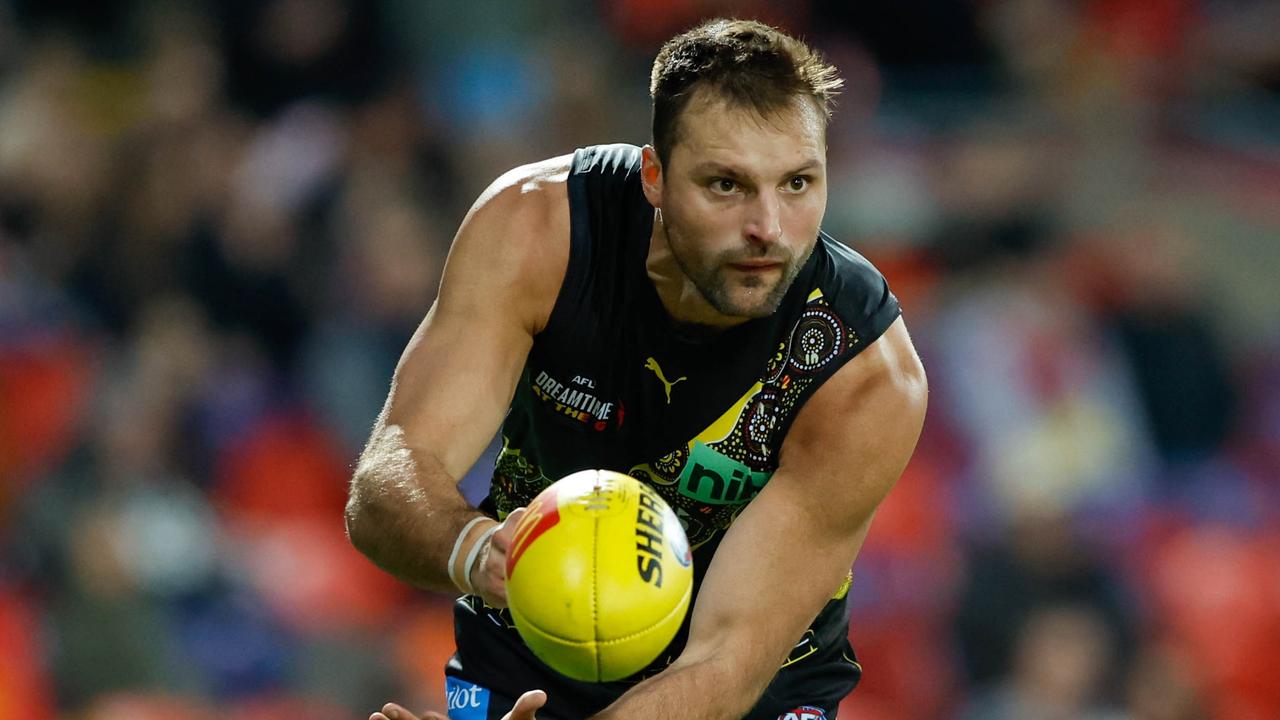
(804, 712)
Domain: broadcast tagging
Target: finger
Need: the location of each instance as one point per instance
(491, 579)
(393, 711)
(490, 575)
(495, 576)
(506, 532)
(527, 704)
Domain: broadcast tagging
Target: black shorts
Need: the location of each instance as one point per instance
(484, 679)
(470, 701)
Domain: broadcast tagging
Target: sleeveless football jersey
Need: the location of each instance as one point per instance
(612, 382)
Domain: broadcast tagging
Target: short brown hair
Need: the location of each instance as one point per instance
(746, 62)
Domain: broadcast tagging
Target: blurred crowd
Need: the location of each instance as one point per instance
(220, 223)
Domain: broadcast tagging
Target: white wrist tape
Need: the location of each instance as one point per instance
(457, 546)
(470, 566)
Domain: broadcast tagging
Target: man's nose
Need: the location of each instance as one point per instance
(764, 219)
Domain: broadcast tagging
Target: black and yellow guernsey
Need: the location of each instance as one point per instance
(614, 383)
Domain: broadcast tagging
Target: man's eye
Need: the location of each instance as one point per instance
(723, 186)
(798, 183)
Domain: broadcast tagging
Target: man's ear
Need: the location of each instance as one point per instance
(651, 175)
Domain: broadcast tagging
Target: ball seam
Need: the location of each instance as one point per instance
(657, 623)
(595, 594)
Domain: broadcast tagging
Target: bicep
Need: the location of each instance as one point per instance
(453, 383)
(456, 377)
(795, 541)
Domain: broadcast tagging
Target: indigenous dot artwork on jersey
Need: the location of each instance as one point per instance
(746, 434)
(709, 479)
(516, 480)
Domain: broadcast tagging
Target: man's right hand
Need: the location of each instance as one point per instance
(489, 578)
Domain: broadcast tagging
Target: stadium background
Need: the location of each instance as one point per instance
(220, 222)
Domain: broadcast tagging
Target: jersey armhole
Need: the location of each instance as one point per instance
(573, 286)
(870, 330)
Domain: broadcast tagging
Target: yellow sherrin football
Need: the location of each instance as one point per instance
(599, 576)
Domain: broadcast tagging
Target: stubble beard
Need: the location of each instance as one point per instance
(711, 280)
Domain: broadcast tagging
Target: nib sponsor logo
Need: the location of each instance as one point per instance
(804, 712)
(717, 479)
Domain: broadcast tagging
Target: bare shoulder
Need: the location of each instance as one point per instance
(536, 188)
(514, 242)
(868, 415)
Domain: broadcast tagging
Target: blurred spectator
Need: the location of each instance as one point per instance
(1043, 562)
(390, 253)
(1062, 659)
(1041, 394)
(281, 51)
(1165, 329)
(1162, 685)
(930, 45)
(220, 224)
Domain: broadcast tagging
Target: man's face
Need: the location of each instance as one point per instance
(741, 199)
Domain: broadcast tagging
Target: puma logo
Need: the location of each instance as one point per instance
(651, 364)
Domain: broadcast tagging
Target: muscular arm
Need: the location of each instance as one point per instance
(456, 378)
(796, 540)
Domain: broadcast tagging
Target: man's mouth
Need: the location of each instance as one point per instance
(756, 265)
